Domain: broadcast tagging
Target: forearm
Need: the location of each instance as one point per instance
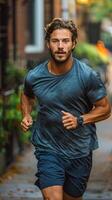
(100, 111)
(97, 114)
(26, 105)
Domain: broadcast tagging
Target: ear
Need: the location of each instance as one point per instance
(47, 44)
(73, 45)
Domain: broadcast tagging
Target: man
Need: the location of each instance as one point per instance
(71, 98)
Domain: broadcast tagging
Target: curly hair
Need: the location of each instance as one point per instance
(59, 23)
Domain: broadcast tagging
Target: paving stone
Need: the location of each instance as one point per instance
(19, 191)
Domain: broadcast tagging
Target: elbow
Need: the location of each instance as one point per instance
(108, 111)
(108, 115)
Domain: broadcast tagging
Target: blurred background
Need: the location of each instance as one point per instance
(22, 46)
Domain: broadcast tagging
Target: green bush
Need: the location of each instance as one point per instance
(25, 137)
(99, 10)
(3, 133)
(89, 52)
(3, 138)
(10, 107)
(14, 75)
(13, 117)
(12, 112)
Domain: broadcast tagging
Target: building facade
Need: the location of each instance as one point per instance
(22, 25)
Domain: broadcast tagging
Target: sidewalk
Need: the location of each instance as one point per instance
(100, 182)
(18, 182)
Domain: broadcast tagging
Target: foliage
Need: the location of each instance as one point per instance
(14, 75)
(13, 117)
(10, 124)
(100, 9)
(25, 137)
(12, 113)
(3, 138)
(91, 53)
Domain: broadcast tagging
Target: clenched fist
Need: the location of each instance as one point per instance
(26, 122)
(69, 121)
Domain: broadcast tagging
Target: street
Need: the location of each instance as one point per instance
(18, 182)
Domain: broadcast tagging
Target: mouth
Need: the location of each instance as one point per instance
(60, 52)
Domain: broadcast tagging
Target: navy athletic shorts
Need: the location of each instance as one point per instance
(72, 174)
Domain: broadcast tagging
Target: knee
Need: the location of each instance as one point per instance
(52, 196)
(53, 193)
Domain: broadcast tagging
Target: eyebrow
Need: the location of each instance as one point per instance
(61, 38)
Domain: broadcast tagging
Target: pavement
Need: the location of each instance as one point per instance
(100, 182)
(18, 181)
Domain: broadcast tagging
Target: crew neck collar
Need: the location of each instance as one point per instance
(63, 74)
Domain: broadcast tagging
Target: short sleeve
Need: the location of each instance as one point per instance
(96, 89)
(28, 88)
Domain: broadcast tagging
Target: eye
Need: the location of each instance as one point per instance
(54, 40)
(66, 40)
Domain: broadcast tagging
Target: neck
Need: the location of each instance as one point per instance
(59, 68)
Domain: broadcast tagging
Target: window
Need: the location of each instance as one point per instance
(35, 26)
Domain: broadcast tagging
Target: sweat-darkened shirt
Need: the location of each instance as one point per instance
(75, 91)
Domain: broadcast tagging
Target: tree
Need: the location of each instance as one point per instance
(100, 10)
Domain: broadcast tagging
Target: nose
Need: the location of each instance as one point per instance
(60, 44)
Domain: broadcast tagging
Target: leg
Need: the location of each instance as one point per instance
(53, 193)
(67, 197)
(77, 177)
(50, 176)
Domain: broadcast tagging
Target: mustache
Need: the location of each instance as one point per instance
(62, 52)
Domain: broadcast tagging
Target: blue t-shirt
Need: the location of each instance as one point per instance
(75, 91)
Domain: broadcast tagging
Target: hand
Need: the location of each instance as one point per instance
(26, 122)
(69, 120)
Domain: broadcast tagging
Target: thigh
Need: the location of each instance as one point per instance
(50, 171)
(77, 176)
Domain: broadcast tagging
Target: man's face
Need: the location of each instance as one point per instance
(61, 45)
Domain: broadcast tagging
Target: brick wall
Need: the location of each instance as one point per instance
(21, 30)
(16, 31)
(48, 15)
(51, 9)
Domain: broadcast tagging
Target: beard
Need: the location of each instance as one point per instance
(59, 59)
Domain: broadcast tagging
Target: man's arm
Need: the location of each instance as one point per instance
(26, 109)
(100, 111)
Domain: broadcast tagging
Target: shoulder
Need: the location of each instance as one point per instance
(83, 68)
(84, 71)
(87, 76)
(36, 72)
